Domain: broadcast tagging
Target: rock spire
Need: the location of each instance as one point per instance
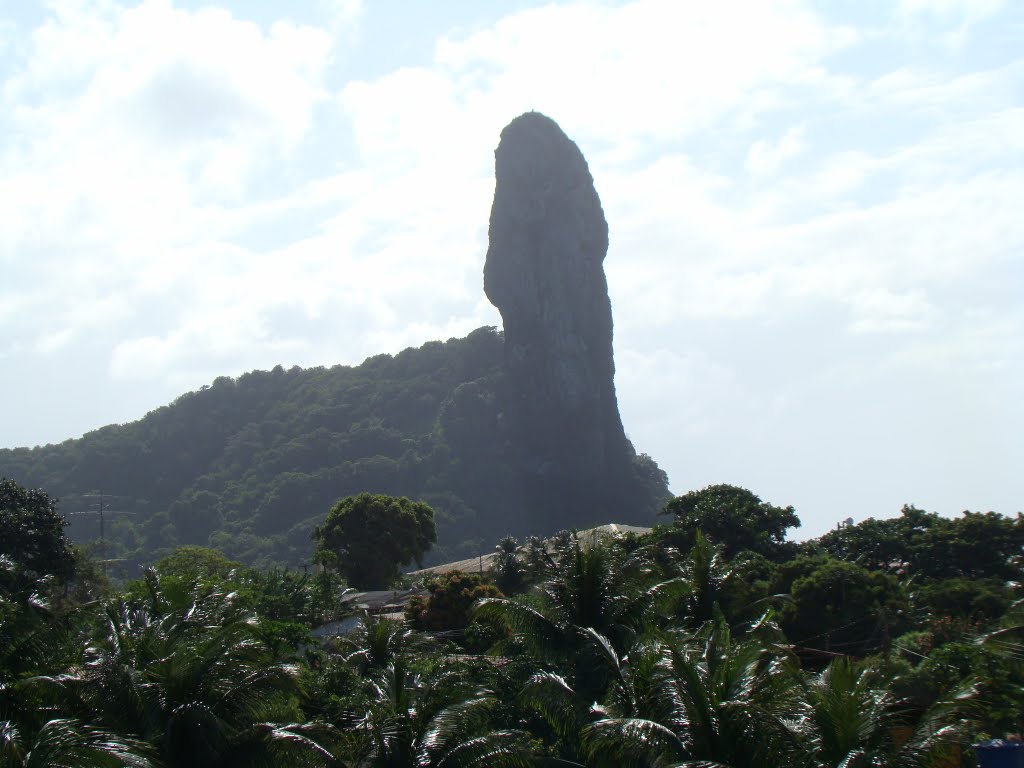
(545, 274)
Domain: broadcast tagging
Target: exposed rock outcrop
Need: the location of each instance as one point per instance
(545, 274)
(515, 433)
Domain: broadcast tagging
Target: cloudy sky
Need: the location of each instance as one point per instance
(817, 258)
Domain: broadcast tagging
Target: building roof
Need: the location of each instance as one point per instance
(478, 564)
(380, 600)
(484, 563)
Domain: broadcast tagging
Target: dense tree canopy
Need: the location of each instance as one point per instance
(450, 597)
(840, 606)
(366, 538)
(33, 532)
(927, 545)
(733, 517)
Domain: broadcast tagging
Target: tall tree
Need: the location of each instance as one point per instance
(733, 517)
(33, 532)
(367, 537)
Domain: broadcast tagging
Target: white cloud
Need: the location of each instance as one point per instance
(344, 14)
(655, 70)
(126, 126)
(956, 10)
(54, 342)
(151, 110)
(764, 158)
(942, 94)
(882, 310)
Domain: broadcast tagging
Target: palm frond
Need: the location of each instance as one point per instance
(67, 743)
(550, 696)
(536, 630)
(626, 740)
(273, 744)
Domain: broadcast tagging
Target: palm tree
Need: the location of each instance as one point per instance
(849, 718)
(637, 686)
(439, 717)
(700, 700)
(35, 726)
(196, 683)
(701, 578)
(377, 641)
(599, 587)
(706, 572)
(509, 570)
(589, 592)
(32, 638)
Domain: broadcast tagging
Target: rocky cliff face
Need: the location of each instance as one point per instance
(545, 273)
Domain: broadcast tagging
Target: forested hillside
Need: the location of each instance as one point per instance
(248, 465)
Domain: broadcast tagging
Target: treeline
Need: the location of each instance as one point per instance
(711, 641)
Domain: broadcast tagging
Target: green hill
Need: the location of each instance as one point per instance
(249, 465)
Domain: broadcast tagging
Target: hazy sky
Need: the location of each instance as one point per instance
(816, 214)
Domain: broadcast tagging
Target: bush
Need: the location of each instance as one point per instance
(451, 596)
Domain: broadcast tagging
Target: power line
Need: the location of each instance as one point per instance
(834, 629)
(102, 511)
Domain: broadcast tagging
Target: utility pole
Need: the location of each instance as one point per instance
(103, 537)
(100, 508)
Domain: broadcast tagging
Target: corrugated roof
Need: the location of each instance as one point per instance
(469, 565)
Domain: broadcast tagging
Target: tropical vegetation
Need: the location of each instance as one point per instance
(866, 647)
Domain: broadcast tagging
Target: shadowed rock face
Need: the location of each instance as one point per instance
(545, 273)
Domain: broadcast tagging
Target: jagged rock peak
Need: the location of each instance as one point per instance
(544, 272)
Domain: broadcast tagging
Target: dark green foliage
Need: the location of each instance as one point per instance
(996, 671)
(33, 532)
(30, 632)
(378, 642)
(426, 714)
(248, 465)
(196, 683)
(446, 607)
(706, 574)
(713, 701)
(923, 544)
(367, 537)
(849, 715)
(89, 583)
(732, 517)
(69, 743)
(627, 652)
(510, 572)
(281, 594)
(980, 600)
(840, 606)
(197, 564)
(288, 602)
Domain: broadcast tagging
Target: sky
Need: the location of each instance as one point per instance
(815, 209)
